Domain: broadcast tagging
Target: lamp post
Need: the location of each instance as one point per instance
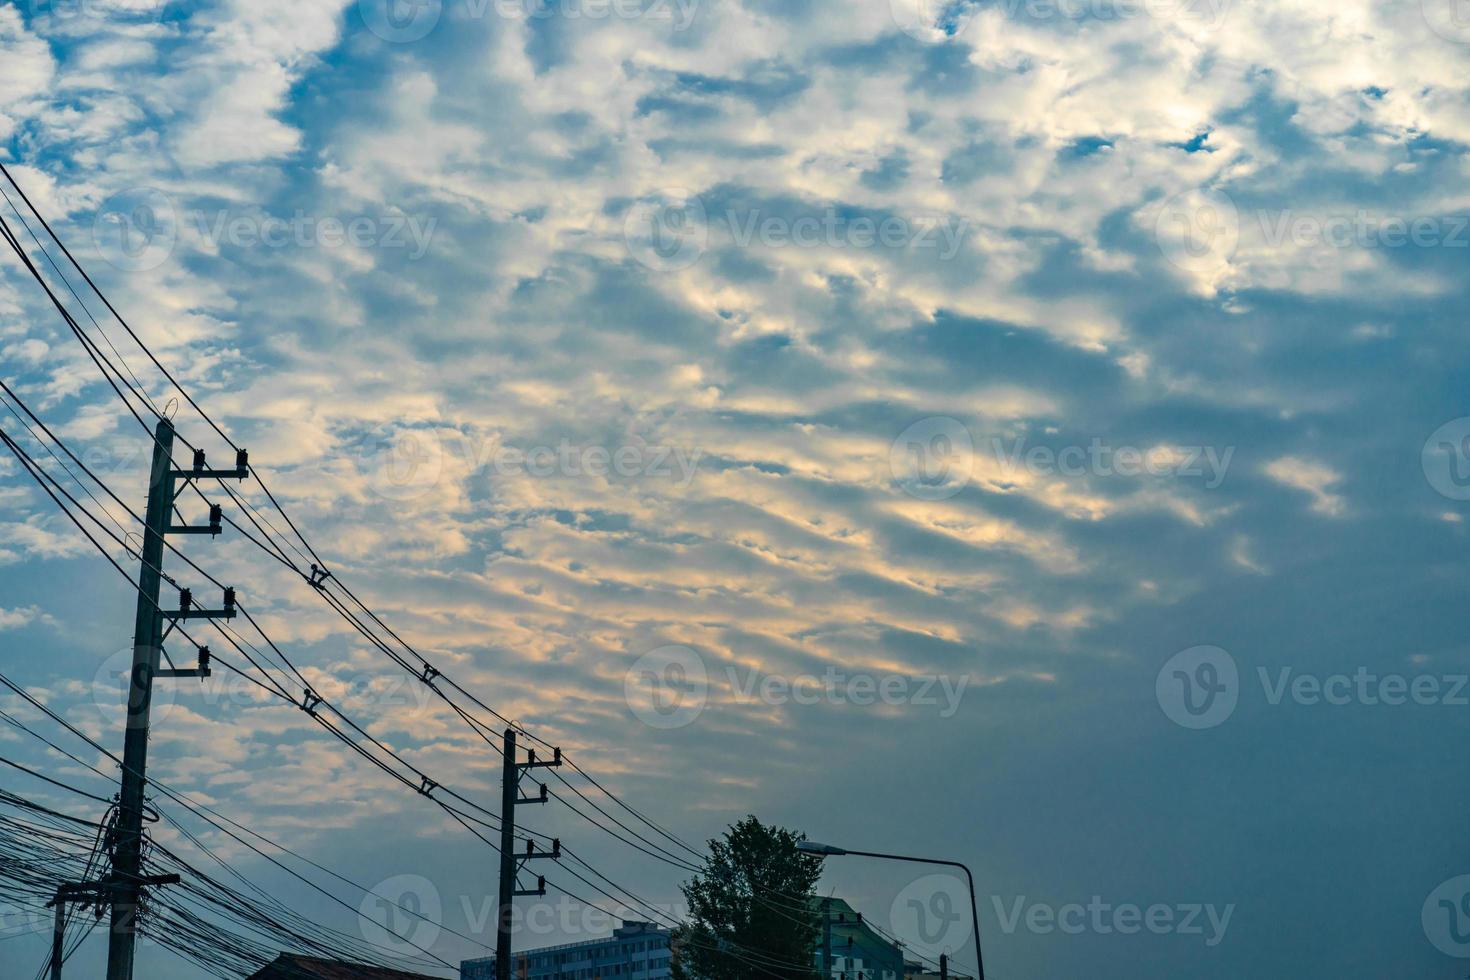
(828, 850)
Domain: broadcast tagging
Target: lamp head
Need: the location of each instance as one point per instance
(822, 850)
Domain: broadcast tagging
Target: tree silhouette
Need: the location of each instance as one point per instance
(751, 910)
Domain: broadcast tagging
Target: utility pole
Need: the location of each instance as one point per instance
(91, 893)
(511, 863)
(126, 846)
(943, 966)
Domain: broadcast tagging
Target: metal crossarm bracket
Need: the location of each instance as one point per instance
(545, 797)
(534, 763)
(534, 855)
(86, 891)
(200, 471)
(310, 701)
(539, 892)
(186, 610)
(319, 576)
(201, 672)
(213, 529)
(427, 786)
(429, 674)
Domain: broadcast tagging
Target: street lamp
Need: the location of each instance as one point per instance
(829, 850)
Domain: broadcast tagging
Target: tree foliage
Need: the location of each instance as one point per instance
(751, 911)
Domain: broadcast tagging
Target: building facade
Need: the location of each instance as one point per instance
(851, 949)
(635, 951)
(847, 946)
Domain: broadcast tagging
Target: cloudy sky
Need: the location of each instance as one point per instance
(1030, 432)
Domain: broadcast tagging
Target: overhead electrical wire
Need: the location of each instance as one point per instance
(327, 580)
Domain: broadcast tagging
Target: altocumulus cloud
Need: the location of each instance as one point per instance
(703, 238)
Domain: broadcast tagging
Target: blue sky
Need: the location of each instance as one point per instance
(1004, 350)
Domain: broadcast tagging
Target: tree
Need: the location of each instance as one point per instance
(751, 910)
